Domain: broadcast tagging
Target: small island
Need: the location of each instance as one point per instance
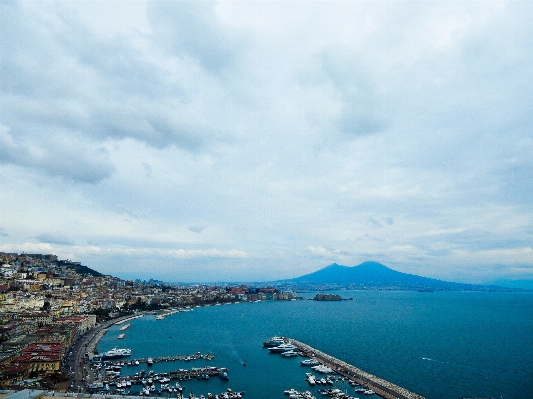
(327, 297)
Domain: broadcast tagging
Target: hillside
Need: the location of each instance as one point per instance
(374, 274)
(78, 268)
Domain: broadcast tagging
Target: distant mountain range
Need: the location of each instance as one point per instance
(375, 275)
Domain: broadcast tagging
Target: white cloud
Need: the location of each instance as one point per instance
(280, 136)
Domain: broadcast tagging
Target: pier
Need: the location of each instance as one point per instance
(128, 319)
(186, 358)
(383, 388)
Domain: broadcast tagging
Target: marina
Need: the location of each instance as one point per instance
(373, 384)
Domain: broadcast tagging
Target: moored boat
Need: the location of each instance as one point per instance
(274, 341)
(309, 362)
(290, 353)
(282, 348)
(116, 353)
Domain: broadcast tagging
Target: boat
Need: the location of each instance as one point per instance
(291, 391)
(223, 375)
(322, 369)
(121, 336)
(150, 361)
(282, 348)
(116, 353)
(369, 392)
(290, 353)
(309, 362)
(123, 328)
(160, 317)
(274, 341)
(310, 378)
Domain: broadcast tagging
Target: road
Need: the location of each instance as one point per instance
(78, 364)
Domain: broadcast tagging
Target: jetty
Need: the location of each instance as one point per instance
(383, 388)
(186, 358)
(128, 319)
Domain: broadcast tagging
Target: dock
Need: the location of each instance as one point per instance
(128, 319)
(383, 388)
(186, 358)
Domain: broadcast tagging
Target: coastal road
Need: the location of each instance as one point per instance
(78, 363)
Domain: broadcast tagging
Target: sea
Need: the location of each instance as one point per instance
(441, 345)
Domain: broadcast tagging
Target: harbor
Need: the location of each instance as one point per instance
(383, 388)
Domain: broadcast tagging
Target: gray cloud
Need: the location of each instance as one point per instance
(192, 29)
(293, 131)
(64, 159)
(54, 239)
(197, 228)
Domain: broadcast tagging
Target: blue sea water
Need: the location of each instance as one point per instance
(440, 344)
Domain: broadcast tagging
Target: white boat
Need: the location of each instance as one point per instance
(322, 369)
(125, 327)
(291, 391)
(289, 353)
(150, 361)
(282, 348)
(369, 392)
(160, 317)
(309, 362)
(115, 353)
(274, 341)
(310, 378)
(121, 336)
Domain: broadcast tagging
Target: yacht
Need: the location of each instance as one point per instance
(282, 348)
(116, 353)
(150, 361)
(290, 353)
(309, 362)
(322, 369)
(274, 341)
(369, 392)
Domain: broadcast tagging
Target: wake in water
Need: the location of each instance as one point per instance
(233, 354)
(444, 362)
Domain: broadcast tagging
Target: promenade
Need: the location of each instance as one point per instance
(383, 388)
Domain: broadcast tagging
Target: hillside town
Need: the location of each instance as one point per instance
(47, 304)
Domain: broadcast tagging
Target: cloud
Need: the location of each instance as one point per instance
(296, 134)
(58, 239)
(62, 158)
(193, 29)
(197, 228)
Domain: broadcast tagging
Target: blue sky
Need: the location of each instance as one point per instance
(209, 141)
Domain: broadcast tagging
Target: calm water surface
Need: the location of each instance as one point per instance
(440, 344)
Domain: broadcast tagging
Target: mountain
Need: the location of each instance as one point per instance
(516, 284)
(375, 275)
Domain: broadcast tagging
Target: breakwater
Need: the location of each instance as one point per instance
(384, 388)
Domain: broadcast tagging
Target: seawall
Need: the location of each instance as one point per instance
(384, 388)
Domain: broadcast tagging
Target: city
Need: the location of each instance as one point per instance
(48, 306)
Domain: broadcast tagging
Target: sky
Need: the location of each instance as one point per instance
(202, 141)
